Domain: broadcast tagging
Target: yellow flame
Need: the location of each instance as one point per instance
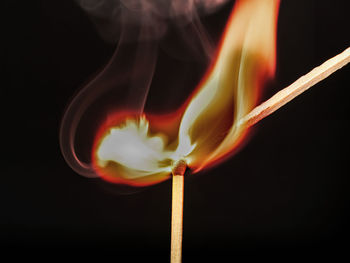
(209, 129)
(230, 90)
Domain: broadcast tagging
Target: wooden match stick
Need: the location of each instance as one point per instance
(299, 86)
(177, 211)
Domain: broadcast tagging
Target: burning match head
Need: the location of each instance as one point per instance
(179, 167)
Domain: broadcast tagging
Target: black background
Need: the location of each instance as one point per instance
(286, 190)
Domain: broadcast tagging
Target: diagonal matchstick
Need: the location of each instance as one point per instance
(258, 113)
(299, 86)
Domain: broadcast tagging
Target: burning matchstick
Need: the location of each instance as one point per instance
(137, 148)
(258, 113)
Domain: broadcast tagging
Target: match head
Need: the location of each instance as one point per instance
(179, 167)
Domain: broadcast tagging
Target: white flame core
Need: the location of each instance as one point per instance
(132, 146)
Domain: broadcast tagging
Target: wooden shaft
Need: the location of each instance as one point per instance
(299, 86)
(176, 218)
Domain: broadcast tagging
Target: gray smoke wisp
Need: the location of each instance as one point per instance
(110, 16)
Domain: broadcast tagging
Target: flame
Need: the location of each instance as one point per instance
(140, 150)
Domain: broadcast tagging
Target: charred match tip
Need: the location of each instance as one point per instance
(179, 167)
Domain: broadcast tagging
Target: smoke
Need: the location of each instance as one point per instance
(137, 26)
(153, 16)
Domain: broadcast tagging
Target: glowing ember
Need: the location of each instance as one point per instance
(141, 150)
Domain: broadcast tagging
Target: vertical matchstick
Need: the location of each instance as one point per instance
(177, 211)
